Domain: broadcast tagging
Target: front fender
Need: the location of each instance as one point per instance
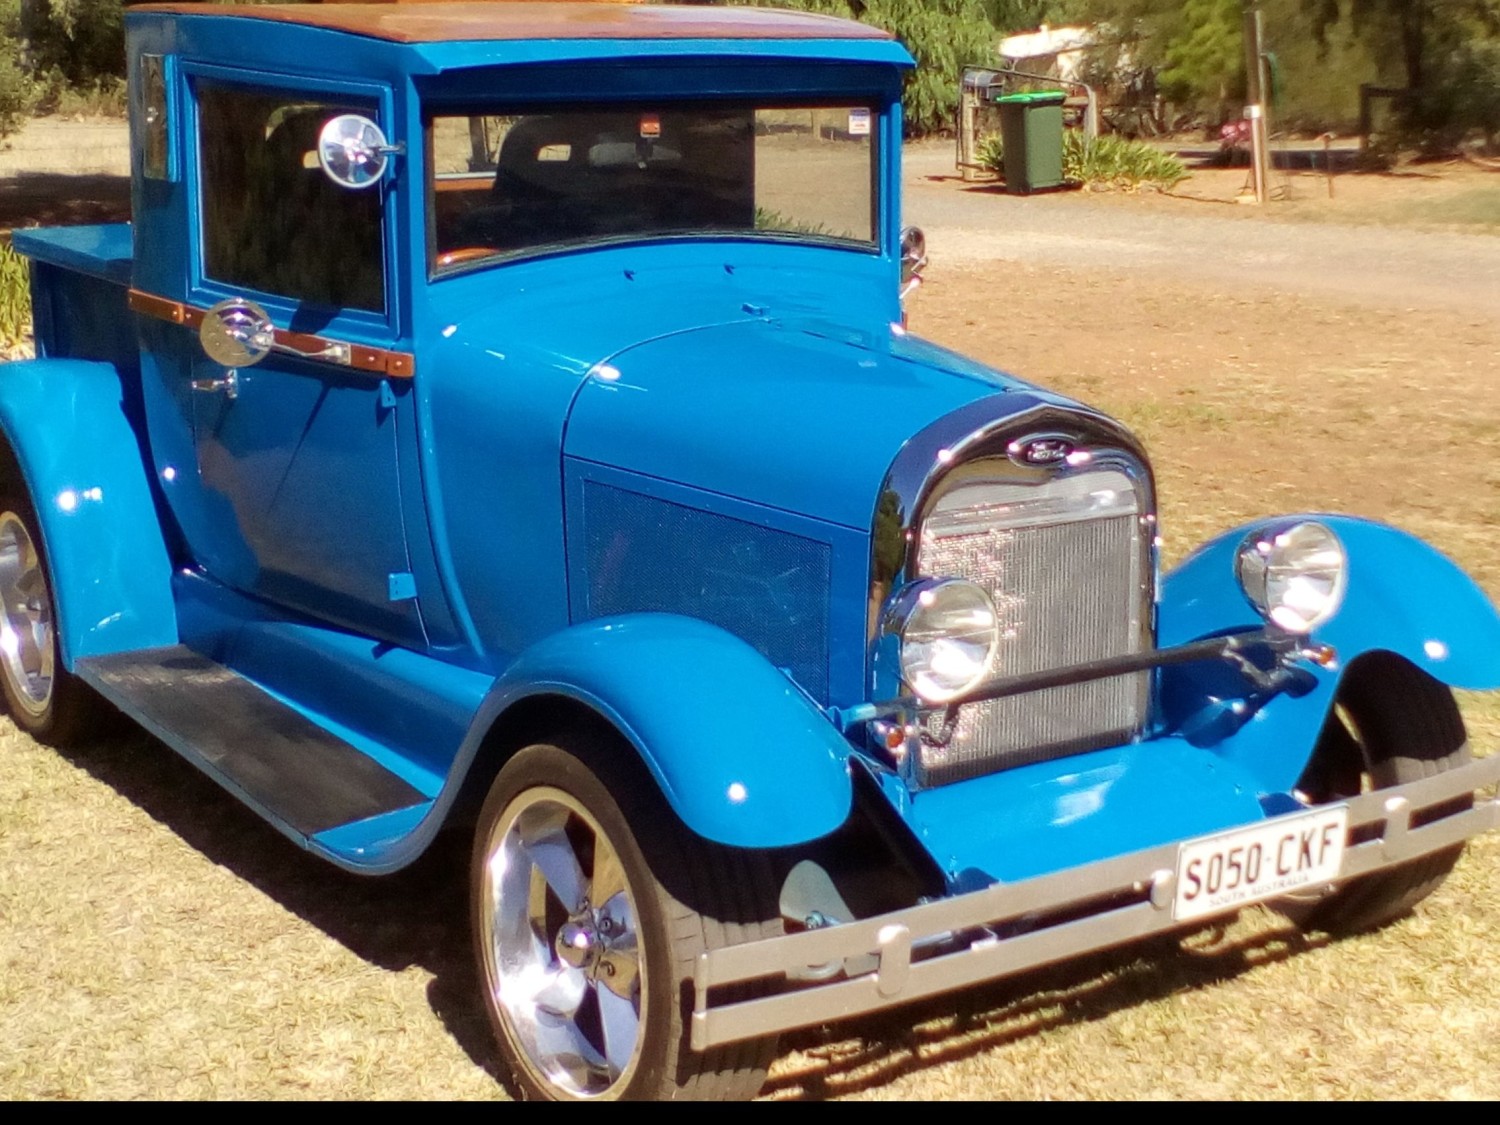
(1402, 597)
(82, 463)
(741, 754)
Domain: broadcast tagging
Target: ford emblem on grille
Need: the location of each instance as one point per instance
(1040, 451)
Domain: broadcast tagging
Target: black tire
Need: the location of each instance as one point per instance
(1391, 724)
(44, 699)
(685, 896)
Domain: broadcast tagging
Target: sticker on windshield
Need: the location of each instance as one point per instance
(859, 122)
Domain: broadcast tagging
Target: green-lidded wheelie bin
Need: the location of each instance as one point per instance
(1031, 127)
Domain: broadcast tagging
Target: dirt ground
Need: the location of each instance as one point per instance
(158, 941)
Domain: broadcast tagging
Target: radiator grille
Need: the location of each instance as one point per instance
(768, 587)
(1063, 563)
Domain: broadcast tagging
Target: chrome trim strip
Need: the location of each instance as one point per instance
(375, 361)
(1147, 875)
(986, 428)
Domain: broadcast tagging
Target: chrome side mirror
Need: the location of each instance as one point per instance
(913, 260)
(237, 333)
(353, 152)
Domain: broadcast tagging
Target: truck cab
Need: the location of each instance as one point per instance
(502, 417)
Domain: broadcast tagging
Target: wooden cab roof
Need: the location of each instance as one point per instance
(439, 21)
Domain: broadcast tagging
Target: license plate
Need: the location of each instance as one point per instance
(1249, 864)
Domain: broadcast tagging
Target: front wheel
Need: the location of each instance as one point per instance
(1391, 724)
(586, 933)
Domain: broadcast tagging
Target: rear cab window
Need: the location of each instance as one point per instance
(509, 184)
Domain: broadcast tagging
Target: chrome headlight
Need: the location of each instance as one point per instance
(1294, 574)
(947, 631)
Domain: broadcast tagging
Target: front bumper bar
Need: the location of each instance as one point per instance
(1099, 905)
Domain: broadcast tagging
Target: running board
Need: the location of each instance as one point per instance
(262, 750)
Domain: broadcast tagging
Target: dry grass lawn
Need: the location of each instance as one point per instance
(158, 941)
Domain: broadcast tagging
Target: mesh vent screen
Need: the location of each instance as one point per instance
(770, 588)
(1065, 579)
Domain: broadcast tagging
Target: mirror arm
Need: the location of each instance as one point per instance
(333, 350)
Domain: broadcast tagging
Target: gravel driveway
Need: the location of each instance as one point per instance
(1368, 265)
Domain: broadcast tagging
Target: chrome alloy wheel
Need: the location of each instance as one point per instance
(558, 940)
(26, 638)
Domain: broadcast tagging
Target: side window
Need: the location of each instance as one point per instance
(272, 221)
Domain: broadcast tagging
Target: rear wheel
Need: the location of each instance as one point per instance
(44, 699)
(586, 933)
(1391, 724)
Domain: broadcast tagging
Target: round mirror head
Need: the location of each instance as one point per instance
(236, 333)
(913, 253)
(352, 151)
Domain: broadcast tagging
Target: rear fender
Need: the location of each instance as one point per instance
(740, 753)
(83, 466)
(1402, 597)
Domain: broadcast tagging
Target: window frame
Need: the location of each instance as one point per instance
(206, 290)
(874, 247)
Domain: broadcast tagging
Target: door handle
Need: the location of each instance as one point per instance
(229, 384)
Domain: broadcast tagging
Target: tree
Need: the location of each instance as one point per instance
(17, 91)
(1205, 59)
(1446, 51)
(83, 40)
(942, 35)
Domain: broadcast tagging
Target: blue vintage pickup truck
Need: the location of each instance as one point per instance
(500, 417)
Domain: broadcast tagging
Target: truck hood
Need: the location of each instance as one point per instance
(804, 416)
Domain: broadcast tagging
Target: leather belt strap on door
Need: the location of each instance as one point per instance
(377, 361)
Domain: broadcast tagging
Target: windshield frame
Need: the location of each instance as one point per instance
(877, 188)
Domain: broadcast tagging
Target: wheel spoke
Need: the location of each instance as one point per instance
(557, 992)
(31, 586)
(621, 959)
(565, 1053)
(551, 852)
(609, 875)
(622, 1025)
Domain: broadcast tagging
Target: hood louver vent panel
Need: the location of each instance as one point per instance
(770, 588)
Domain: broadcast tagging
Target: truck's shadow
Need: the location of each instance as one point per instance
(415, 918)
(58, 199)
(874, 1051)
(419, 918)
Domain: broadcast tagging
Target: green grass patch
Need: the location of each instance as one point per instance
(15, 296)
(1477, 208)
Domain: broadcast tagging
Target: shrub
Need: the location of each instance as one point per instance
(100, 97)
(15, 297)
(1116, 162)
(18, 94)
(1103, 164)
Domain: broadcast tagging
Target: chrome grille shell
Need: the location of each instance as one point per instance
(1068, 591)
(1063, 568)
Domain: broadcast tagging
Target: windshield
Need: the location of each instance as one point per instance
(508, 185)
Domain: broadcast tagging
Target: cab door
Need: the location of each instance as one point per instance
(296, 496)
